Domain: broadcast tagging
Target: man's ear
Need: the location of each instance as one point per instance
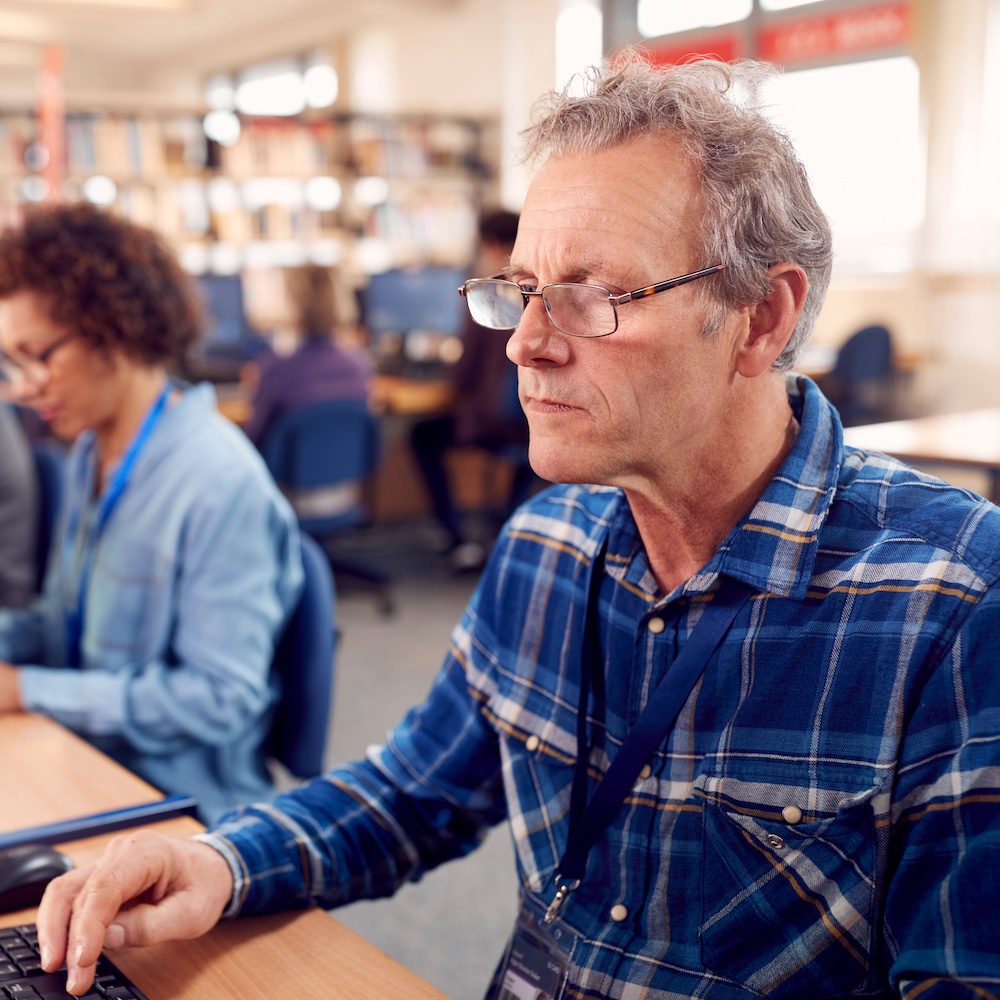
(772, 320)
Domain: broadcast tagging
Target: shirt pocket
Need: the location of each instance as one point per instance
(787, 904)
(538, 777)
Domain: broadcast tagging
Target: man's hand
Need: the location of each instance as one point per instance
(10, 695)
(145, 888)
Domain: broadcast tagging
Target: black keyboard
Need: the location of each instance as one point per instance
(22, 978)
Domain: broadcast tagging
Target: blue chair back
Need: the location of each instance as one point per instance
(304, 668)
(865, 355)
(324, 444)
(861, 383)
(50, 469)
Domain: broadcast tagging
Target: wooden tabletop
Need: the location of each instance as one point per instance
(390, 394)
(50, 774)
(968, 440)
(971, 438)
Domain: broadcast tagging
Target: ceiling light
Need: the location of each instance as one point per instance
(321, 85)
(322, 193)
(100, 190)
(222, 127)
(271, 89)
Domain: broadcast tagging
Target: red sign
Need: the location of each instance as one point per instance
(813, 39)
(725, 46)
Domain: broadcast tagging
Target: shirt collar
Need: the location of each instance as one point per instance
(774, 547)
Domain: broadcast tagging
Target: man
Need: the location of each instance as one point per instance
(486, 412)
(821, 817)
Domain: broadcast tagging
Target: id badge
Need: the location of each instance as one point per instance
(535, 964)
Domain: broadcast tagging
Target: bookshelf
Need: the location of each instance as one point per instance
(252, 199)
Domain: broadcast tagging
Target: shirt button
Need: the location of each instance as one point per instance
(645, 772)
(791, 814)
(656, 625)
(618, 913)
(532, 743)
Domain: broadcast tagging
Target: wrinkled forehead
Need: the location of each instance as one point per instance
(638, 204)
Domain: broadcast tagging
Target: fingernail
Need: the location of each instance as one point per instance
(46, 956)
(114, 937)
(72, 980)
(78, 954)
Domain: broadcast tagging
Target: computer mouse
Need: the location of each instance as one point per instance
(25, 871)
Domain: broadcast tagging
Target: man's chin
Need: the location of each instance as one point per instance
(557, 463)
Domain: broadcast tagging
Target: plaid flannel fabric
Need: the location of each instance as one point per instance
(823, 818)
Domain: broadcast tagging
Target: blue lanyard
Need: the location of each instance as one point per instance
(589, 820)
(113, 493)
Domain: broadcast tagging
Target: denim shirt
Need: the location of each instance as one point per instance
(823, 817)
(193, 577)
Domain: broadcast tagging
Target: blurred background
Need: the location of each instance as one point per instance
(368, 134)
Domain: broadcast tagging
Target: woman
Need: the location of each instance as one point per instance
(319, 369)
(177, 559)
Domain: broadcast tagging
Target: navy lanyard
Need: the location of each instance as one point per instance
(589, 820)
(113, 493)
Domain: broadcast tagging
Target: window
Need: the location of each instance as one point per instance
(857, 128)
(661, 17)
(579, 40)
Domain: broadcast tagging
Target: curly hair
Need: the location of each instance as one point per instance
(117, 284)
(759, 208)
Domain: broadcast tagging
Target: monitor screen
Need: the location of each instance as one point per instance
(225, 322)
(402, 301)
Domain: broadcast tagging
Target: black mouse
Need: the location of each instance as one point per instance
(25, 871)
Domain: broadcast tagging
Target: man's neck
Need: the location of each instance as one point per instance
(683, 520)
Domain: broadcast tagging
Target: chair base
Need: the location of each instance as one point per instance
(352, 569)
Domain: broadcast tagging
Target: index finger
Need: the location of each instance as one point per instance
(78, 907)
(53, 917)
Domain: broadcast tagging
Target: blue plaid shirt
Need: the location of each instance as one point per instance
(822, 820)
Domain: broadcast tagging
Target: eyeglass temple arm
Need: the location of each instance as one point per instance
(664, 286)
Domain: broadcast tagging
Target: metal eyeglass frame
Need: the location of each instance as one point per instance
(614, 300)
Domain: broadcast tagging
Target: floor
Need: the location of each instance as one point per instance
(451, 927)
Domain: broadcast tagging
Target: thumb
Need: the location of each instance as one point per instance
(173, 918)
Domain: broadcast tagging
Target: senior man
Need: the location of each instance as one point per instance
(739, 702)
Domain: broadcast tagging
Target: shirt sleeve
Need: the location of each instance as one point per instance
(233, 586)
(362, 830)
(941, 903)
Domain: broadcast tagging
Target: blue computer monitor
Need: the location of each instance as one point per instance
(403, 300)
(226, 323)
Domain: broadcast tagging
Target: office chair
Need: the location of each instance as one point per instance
(304, 667)
(49, 469)
(860, 384)
(320, 455)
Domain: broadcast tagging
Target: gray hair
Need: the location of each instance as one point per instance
(759, 208)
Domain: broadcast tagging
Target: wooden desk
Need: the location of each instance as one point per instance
(968, 440)
(390, 394)
(50, 774)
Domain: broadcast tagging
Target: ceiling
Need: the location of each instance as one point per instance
(117, 51)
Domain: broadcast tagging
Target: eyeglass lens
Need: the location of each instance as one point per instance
(583, 310)
(495, 304)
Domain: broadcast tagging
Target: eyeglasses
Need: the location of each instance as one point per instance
(31, 368)
(574, 308)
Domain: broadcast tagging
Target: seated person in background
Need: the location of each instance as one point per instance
(177, 558)
(19, 510)
(486, 411)
(807, 633)
(319, 369)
